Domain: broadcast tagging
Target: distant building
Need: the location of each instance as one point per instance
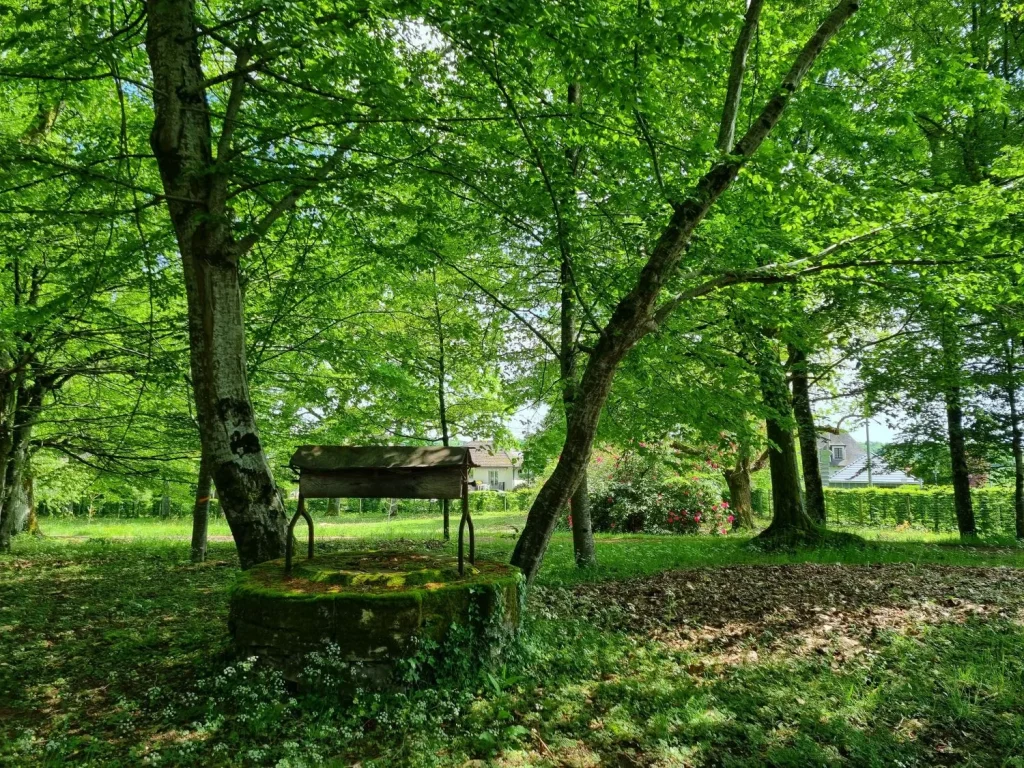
(844, 464)
(497, 469)
(855, 475)
(837, 450)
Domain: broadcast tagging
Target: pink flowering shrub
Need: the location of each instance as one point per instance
(644, 496)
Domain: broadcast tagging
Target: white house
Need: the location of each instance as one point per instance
(855, 475)
(496, 469)
(844, 464)
(836, 450)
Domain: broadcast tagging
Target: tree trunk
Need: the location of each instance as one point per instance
(196, 188)
(32, 521)
(952, 365)
(582, 528)
(201, 511)
(638, 313)
(22, 499)
(958, 460)
(12, 391)
(741, 501)
(12, 506)
(442, 402)
(788, 516)
(813, 490)
(333, 507)
(584, 551)
(572, 464)
(165, 501)
(1016, 440)
(15, 503)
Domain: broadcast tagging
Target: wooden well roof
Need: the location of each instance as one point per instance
(330, 458)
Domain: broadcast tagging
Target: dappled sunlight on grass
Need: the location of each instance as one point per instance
(675, 651)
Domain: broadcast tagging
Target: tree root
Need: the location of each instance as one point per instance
(774, 539)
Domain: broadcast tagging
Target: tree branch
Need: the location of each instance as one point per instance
(289, 201)
(738, 68)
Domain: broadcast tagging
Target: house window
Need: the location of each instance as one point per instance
(492, 478)
(838, 452)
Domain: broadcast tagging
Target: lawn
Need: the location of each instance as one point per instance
(678, 651)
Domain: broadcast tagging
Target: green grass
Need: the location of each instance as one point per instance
(114, 651)
(375, 526)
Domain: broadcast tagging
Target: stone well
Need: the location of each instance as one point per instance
(372, 605)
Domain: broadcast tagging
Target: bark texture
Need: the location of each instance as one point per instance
(196, 189)
(738, 478)
(637, 313)
(814, 492)
(16, 499)
(741, 502)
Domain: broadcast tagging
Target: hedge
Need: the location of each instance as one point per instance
(480, 501)
(929, 508)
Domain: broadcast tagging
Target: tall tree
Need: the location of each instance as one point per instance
(638, 312)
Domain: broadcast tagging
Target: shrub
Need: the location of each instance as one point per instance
(638, 495)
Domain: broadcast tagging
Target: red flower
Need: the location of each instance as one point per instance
(731, 518)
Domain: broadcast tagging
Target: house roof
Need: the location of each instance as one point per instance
(486, 455)
(856, 472)
(827, 440)
(327, 458)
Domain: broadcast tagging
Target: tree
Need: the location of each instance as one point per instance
(638, 313)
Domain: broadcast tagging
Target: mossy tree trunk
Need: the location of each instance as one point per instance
(789, 519)
(741, 503)
(15, 504)
(738, 478)
(813, 488)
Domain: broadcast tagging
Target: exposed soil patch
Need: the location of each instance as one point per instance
(733, 613)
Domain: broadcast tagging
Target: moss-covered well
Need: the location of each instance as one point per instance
(372, 607)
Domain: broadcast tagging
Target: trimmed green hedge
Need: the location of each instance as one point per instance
(480, 501)
(930, 508)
